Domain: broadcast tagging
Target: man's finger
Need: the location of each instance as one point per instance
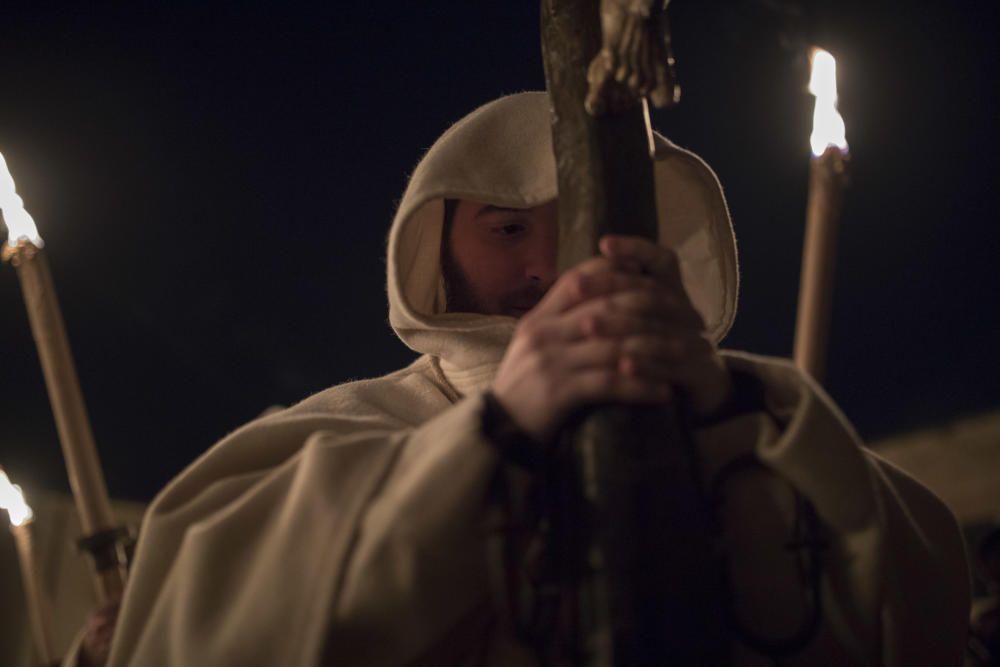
(657, 260)
(593, 278)
(609, 385)
(676, 360)
(636, 311)
(668, 307)
(589, 354)
(569, 289)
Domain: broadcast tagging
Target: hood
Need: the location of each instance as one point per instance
(501, 154)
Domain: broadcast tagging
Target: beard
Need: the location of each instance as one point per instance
(461, 298)
(457, 295)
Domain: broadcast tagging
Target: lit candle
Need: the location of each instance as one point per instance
(24, 250)
(827, 178)
(39, 609)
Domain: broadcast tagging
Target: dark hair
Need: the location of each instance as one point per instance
(449, 217)
(449, 271)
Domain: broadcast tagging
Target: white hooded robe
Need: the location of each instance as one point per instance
(350, 529)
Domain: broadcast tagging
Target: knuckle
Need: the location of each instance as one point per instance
(550, 387)
(640, 302)
(589, 325)
(605, 308)
(545, 363)
(525, 326)
(530, 345)
(579, 285)
(536, 364)
(532, 337)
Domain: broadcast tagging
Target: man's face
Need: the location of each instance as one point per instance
(499, 261)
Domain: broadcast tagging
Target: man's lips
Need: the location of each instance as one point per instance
(518, 311)
(524, 302)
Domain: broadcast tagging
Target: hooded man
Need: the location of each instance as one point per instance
(351, 528)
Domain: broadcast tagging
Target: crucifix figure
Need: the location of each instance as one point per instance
(635, 59)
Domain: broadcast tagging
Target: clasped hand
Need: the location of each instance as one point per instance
(618, 327)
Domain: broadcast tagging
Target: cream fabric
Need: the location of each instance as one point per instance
(349, 529)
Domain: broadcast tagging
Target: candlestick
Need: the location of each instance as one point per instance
(85, 476)
(24, 251)
(827, 179)
(39, 607)
(36, 599)
(827, 176)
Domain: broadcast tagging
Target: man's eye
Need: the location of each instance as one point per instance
(511, 229)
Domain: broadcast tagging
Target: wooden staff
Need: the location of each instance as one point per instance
(641, 570)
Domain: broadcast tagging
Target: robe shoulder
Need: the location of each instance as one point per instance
(267, 528)
(408, 396)
(383, 405)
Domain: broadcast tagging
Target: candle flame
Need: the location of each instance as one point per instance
(828, 126)
(20, 225)
(12, 500)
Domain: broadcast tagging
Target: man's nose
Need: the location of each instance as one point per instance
(540, 264)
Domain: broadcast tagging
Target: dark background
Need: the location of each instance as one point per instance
(215, 181)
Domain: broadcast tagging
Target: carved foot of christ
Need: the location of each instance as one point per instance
(635, 59)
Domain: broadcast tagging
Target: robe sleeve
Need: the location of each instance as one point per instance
(306, 539)
(895, 589)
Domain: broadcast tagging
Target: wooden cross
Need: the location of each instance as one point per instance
(635, 531)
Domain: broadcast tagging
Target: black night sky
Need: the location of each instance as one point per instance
(215, 182)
